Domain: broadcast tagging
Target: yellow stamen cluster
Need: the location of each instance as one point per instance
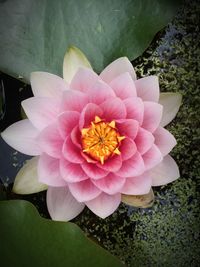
(101, 140)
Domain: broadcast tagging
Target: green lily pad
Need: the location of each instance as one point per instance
(36, 34)
(30, 240)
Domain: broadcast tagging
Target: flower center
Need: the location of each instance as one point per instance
(101, 140)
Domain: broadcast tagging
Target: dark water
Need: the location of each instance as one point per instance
(12, 92)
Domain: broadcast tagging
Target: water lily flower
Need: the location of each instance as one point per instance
(94, 137)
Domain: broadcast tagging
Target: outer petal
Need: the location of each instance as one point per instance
(128, 128)
(164, 140)
(132, 167)
(71, 152)
(71, 172)
(113, 109)
(134, 109)
(73, 101)
(152, 116)
(62, 206)
(93, 171)
(165, 172)
(67, 121)
(73, 60)
(138, 185)
(22, 137)
(88, 115)
(104, 205)
(84, 190)
(124, 86)
(139, 201)
(116, 68)
(152, 157)
(127, 148)
(49, 171)
(50, 141)
(148, 88)
(45, 84)
(171, 103)
(83, 80)
(41, 111)
(100, 92)
(111, 184)
(26, 181)
(144, 140)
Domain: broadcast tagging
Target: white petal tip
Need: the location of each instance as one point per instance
(165, 172)
(104, 205)
(26, 181)
(73, 60)
(62, 206)
(171, 103)
(21, 136)
(116, 68)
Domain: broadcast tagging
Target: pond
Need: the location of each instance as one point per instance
(168, 233)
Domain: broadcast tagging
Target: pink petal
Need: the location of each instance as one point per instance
(135, 109)
(45, 84)
(22, 137)
(93, 171)
(112, 164)
(148, 88)
(50, 141)
(104, 205)
(71, 172)
(128, 128)
(84, 190)
(127, 148)
(132, 167)
(100, 92)
(152, 116)
(113, 109)
(71, 152)
(88, 115)
(152, 157)
(41, 111)
(76, 137)
(111, 184)
(144, 140)
(164, 140)
(165, 172)
(67, 121)
(87, 158)
(138, 185)
(117, 67)
(62, 206)
(83, 80)
(49, 171)
(73, 101)
(124, 86)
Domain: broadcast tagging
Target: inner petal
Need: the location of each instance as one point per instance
(101, 140)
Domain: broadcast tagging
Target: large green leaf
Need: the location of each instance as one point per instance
(26, 239)
(35, 34)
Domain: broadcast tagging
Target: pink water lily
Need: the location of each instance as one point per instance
(95, 137)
